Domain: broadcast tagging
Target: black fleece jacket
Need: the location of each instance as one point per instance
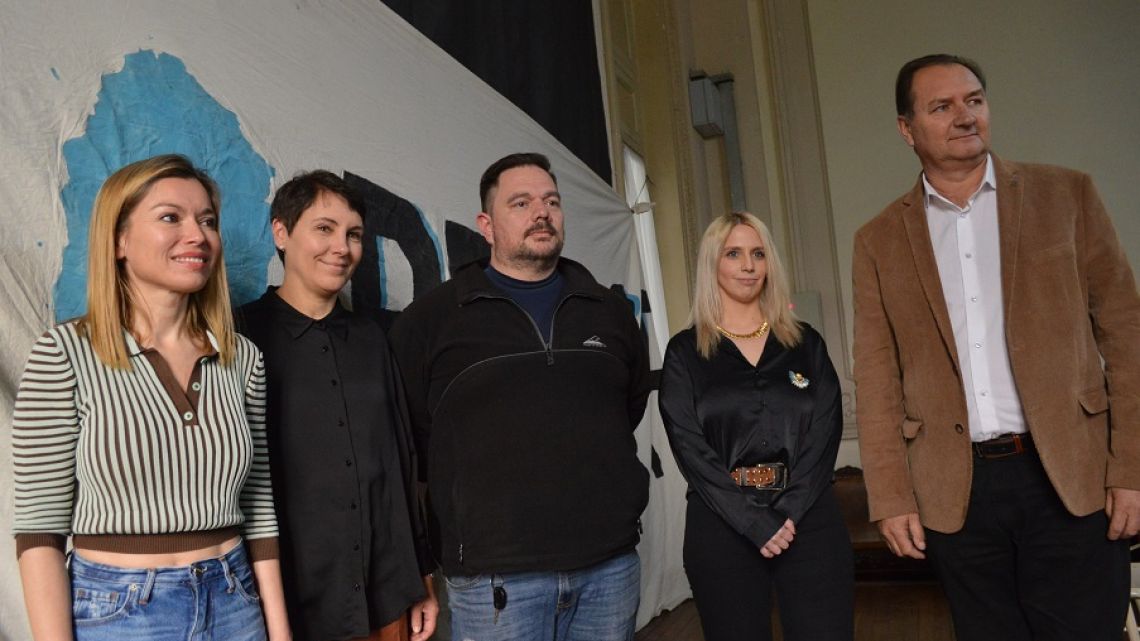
(531, 461)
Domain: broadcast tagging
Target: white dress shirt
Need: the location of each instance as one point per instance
(968, 252)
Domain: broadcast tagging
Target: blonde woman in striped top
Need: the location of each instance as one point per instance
(139, 432)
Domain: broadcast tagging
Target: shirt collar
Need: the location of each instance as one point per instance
(472, 282)
(297, 323)
(989, 180)
(134, 349)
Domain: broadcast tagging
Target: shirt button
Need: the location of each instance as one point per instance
(334, 382)
(189, 416)
(195, 386)
(985, 393)
(340, 422)
(348, 461)
(356, 587)
(977, 345)
(969, 255)
(203, 361)
(352, 506)
(356, 547)
(324, 348)
(973, 299)
(959, 429)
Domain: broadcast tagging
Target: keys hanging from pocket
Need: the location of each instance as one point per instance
(499, 595)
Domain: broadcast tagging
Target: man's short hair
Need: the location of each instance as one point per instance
(490, 179)
(297, 195)
(904, 100)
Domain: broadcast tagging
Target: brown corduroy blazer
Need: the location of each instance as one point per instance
(1069, 299)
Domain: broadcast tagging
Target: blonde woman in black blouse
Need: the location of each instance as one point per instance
(138, 431)
(752, 407)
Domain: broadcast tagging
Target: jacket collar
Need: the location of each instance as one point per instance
(471, 283)
(1009, 192)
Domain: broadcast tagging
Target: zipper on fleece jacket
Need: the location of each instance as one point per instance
(548, 347)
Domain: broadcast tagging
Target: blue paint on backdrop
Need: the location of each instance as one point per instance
(432, 236)
(636, 302)
(383, 272)
(153, 106)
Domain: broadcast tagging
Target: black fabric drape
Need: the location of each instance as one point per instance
(540, 54)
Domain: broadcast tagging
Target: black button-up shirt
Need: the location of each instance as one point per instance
(723, 413)
(352, 539)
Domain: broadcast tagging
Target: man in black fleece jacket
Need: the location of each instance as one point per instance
(525, 380)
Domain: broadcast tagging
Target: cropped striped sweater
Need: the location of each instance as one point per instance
(125, 460)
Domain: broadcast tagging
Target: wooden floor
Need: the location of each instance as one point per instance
(883, 612)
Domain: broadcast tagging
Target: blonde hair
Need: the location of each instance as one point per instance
(109, 302)
(775, 299)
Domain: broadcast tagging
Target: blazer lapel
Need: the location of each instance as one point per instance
(1009, 194)
(918, 233)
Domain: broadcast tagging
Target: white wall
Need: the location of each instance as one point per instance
(1064, 88)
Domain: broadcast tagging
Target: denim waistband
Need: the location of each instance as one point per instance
(198, 571)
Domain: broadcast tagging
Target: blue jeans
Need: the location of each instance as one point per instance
(597, 603)
(207, 600)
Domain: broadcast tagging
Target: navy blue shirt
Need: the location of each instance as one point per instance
(538, 298)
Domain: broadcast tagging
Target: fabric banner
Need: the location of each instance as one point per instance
(255, 91)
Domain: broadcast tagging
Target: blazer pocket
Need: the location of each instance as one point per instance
(1094, 401)
(911, 428)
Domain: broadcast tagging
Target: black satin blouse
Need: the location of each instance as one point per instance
(723, 413)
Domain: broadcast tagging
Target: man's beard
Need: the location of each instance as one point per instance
(544, 258)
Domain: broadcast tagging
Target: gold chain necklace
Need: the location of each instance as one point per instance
(756, 334)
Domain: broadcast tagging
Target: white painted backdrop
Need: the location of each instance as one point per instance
(343, 85)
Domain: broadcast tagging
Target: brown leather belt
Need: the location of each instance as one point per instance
(1003, 446)
(768, 476)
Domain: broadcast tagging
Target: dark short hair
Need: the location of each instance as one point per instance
(297, 195)
(904, 99)
(490, 179)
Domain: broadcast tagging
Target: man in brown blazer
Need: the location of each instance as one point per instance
(997, 362)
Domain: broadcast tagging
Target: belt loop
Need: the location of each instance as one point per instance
(148, 586)
(228, 574)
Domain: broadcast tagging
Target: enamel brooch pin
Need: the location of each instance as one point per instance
(798, 379)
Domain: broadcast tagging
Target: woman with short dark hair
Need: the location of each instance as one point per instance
(355, 558)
